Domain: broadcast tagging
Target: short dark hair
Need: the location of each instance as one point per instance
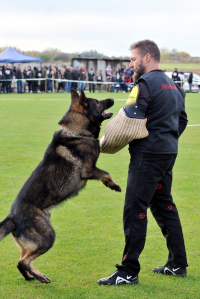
(147, 46)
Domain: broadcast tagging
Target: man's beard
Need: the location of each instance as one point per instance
(139, 72)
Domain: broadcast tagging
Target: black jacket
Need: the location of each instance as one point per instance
(166, 117)
(67, 74)
(18, 74)
(190, 78)
(75, 75)
(91, 76)
(175, 76)
(8, 73)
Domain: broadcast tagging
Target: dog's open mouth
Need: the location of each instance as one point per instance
(107, 115)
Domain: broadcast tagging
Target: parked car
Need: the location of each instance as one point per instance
(195, 82)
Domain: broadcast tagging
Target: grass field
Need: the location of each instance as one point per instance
(89, 227)
(183, 66)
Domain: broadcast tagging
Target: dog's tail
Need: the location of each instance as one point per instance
(6, 227)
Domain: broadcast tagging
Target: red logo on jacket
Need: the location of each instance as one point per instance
(169, 86)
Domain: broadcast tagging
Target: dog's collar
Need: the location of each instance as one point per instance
(75, 134)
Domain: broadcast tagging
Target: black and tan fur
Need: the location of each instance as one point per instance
(68, 163)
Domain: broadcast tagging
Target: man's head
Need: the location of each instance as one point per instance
(145, 57)
(8, 66)
(29, 68)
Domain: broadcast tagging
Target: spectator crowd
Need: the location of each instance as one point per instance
(52, 79)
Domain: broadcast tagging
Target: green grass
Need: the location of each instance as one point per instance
(183, 66)
(89, 227)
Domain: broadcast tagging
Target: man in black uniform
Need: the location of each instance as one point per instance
(175, 75)
(150, 170)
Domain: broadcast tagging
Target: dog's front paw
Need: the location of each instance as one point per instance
(117, 188)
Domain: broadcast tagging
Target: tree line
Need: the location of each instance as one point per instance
(56, 55)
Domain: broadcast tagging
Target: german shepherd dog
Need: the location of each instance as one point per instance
(68, 163)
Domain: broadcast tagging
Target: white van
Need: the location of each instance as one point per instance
(195, 82)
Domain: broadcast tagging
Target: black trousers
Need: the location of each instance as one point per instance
(42, 86)
(8, 86)
(149, 185)
(31, 85)
(74, 85)
(91, 87)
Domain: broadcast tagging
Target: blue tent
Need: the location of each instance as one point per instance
(12, 56)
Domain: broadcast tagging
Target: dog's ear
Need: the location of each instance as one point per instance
(82, 99)
(74, 95)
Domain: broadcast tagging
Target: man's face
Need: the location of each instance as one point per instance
(137, 64)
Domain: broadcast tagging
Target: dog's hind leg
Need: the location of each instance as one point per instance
(23, 252)
(25, 266)
(35, 242)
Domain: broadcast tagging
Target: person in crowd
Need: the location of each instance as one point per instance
(61, 85)
(190, 79)
(117, 73)
(8, 76)
(18, 75)
(36, 77)
(175, 75)
(122, 83)
(127, 71)
(43, 76)
(99, 78)
(108, 71)
(2, 82)
(180, 78)
(68, 76)
(114, 82)
(122, 69)
(30, 75)
(14, 71)
(49, 81)
(108, 77)
(76, 77)
(39, 75)
(24, 73)
(91, 76)
(81, 85)
(128, 82)
(56, 75)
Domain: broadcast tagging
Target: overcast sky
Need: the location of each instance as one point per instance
(108, 26)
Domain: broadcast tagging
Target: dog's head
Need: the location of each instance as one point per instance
(92, 112)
